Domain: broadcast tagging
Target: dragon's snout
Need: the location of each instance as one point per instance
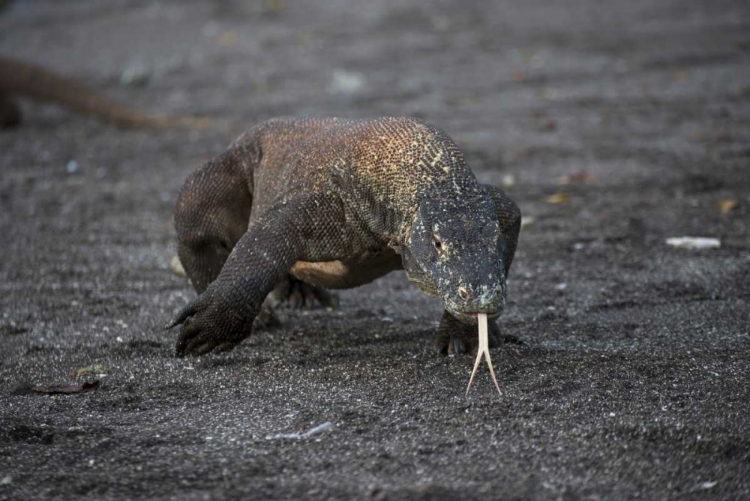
(466, 301)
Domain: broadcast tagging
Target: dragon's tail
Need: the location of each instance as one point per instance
(32, 81)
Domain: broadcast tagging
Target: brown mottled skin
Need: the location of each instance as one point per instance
(337, 203)
(18, 78)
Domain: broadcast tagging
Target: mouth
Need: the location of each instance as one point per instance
(470, 317)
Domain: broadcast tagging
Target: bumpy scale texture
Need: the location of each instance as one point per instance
(338, 203)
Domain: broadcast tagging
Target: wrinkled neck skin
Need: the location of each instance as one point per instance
(452, 249)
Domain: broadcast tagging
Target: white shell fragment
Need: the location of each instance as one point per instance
(694, 242)
(483, 349)
(327, 426)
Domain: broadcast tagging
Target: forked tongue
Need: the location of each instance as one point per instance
(484, 349)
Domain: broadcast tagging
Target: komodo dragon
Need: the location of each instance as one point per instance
(18, 78)
(338, 203)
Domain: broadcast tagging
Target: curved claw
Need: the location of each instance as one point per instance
(184, 340)
(298, 295)
(225, 347)
(185, 313)
(266, 318)
(196, 345)
(455, 343)
(202, 349)
(325, 298)
(296, 300)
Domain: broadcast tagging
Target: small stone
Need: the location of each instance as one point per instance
(72, 167)
(346, 82)
(549, 126)
(137, 75)
(228, 39)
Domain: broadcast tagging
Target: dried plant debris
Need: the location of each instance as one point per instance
(484, 349)
(557, 198)
(90, 370)
(68, 389)
(576, 177)
(727, 205)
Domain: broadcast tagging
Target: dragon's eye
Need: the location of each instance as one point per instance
(438, 245)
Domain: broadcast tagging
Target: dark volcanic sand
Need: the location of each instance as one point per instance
(633, 382)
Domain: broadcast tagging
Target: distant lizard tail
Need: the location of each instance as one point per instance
(28, 80)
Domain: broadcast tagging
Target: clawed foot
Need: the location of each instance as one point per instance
(455, 338)
(463, 339)
(211, 322)
(298, 295)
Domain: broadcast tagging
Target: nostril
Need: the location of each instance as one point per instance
(464, 293)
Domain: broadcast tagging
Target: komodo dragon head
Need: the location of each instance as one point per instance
(456, 252)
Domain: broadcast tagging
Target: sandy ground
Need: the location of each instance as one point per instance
(633, 382)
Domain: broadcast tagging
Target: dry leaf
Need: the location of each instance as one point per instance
(228, 39)
(275, 5)
(549, 126)
(575, 177)
(680, 77)
(557, 198)
(727, 205)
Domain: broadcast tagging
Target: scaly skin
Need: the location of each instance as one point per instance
(337, 203)
(18, 78)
